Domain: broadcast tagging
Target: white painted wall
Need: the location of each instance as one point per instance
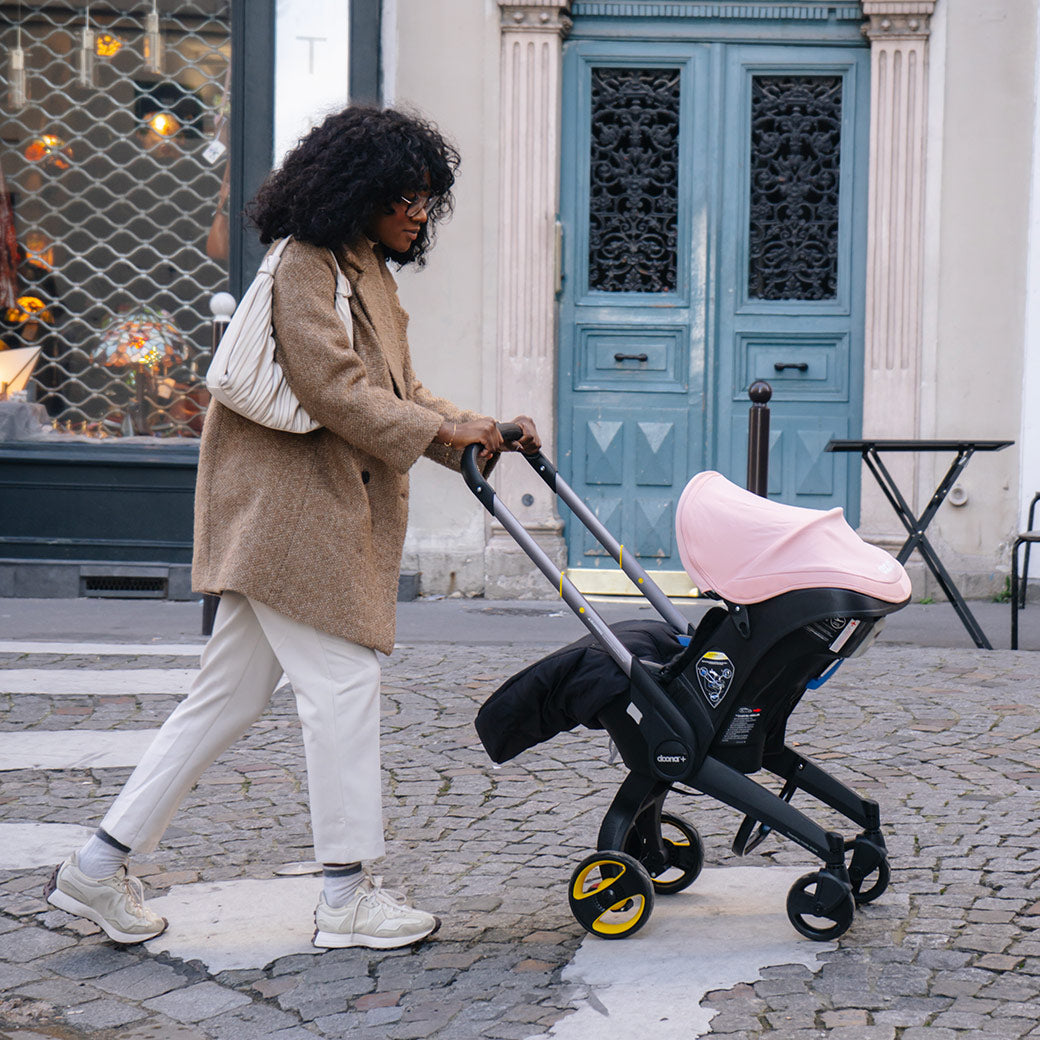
(312, 47)
(988, 124)
(446, 66)
(1029, 437)
(388, 51)
(932, 257)
(441, 60)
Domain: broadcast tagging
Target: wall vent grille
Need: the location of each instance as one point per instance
(123, 587)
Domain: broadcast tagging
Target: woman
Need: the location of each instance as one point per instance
(302, 534)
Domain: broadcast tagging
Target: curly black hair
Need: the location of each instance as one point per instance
(358, 160)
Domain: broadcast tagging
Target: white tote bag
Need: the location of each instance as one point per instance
(244, 374)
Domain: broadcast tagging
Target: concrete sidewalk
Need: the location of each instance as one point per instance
(945, 736)
(476, 622)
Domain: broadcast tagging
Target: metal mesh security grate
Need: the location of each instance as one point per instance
(115, 160)
(795, 167)
(634, 181)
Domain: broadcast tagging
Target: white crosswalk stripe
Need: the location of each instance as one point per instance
(206, 916)
(27, 844)
(21, 646)
(96, 682)
(73, 748)
(85, 748)
(721, 932)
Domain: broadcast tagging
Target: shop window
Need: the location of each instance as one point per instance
(113, 208)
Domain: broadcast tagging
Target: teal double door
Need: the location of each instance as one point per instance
(713, 207)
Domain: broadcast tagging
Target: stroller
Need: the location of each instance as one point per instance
(703, 707)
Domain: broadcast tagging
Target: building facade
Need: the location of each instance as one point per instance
(659, 203)
(662, 202)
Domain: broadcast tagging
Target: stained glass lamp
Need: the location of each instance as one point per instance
(144, 342)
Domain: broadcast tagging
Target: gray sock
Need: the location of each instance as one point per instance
(101, 858)
(341, 882)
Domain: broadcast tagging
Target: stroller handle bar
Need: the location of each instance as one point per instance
(629, 564)
(510, 431)
(480, 487)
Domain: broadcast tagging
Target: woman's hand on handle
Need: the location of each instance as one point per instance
(481, 431)
(530, 442)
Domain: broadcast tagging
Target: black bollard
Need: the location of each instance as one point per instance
(758, 438)
(210, 602)
(222, 306)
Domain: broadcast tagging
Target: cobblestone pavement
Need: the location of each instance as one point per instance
(946, 740)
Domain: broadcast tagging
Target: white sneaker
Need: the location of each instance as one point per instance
(374, 918)
(116, 904)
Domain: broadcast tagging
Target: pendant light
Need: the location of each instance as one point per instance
(108, 45)
(18, 95)
(153, 44)
(86, 53)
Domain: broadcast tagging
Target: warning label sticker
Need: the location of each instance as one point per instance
(741, 726)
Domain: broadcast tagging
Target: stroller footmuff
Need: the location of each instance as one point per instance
(701, 709)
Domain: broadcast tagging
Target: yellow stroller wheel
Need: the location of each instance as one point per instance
(611, 895)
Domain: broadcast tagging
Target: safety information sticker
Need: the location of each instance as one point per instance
(714, 676)
(845, 635)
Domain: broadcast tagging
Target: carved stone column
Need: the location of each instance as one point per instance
(898, 32)
(529, 160)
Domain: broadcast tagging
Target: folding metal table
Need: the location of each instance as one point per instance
(916, 526)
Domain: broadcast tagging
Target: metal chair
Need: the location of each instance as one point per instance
(1019, 587)
(1025, 562)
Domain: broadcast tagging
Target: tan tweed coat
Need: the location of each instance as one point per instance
(313, 525)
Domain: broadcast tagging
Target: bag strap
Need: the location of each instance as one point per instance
(342, 282)
(270, 265)
(270, 262)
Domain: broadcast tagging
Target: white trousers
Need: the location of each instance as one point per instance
(337, 696)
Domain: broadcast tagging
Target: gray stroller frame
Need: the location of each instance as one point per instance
(669, 733)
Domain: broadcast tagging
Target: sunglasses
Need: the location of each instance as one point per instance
(416, 204)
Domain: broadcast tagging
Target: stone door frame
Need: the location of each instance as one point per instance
(532, 35)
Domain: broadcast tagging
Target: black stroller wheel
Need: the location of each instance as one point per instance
(685, 852)
(817, 910)
(869, 863)
(611, 895)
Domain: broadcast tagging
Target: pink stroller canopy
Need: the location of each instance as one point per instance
(748, 549)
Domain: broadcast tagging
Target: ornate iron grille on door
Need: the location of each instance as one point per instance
(634, 181)
(795, 166)
(114, 130)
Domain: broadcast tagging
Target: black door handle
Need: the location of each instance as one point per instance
(631, 357)
(802, 366)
